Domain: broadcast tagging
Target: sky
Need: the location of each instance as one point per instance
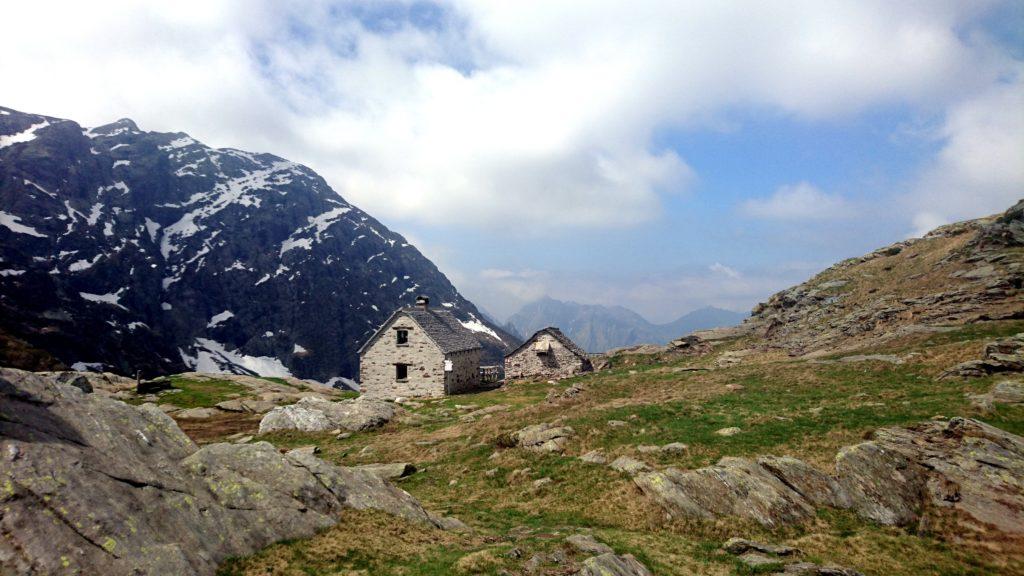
(663, 156)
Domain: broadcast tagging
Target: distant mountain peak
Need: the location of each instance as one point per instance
(597, 327)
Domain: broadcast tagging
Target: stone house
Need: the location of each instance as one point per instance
(547, 354)
(419, 351)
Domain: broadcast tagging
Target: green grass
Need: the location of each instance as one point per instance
(776, 410)
(799, 408)
(188, 393)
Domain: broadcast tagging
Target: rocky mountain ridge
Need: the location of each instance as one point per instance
(128, 250)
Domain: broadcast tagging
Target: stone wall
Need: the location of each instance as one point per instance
(559, 362)
(465, 374)
(425, 360)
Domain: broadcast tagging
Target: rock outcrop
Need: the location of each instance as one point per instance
(956, 274)
(902, 476)
(1004, 392)
(315, 414)
(612, 564)
(90, 485)
(543, 437)
(1000, 356)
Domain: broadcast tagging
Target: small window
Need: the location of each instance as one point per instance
(401, 372)
(402, 337)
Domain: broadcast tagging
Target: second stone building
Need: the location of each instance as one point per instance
(547, 354)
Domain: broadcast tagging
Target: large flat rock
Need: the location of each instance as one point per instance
(902, 476)
(91, 485)
(313, 414)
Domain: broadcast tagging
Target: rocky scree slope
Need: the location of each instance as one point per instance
(122, 249)
(90, 485)
(957, 274)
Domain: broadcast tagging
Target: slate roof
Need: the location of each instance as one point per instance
(440, 325)
(557, 334)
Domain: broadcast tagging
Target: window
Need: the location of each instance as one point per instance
(402, 337)
(401, 372)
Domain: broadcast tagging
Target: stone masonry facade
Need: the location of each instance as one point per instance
(425, 365)
(558, 362)
(465, 373)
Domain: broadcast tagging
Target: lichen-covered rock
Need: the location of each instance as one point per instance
(809, 569)
(738, 546)
(594, 457)
(970, 467)
(629, 465)
(818, 488)
(544, 437)
(587, 544)
(611, 564)
(315, 414)
(391, 470)
(91, 485)
(900, 477)
(884, 486)
(733, 487)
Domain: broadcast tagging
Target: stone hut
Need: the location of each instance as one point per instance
(419, 351)
(547, 354)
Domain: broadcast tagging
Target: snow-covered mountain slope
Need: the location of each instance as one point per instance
(141, 250)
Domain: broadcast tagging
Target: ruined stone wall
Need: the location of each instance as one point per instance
(465, 374)
(559, 362)
(425, 360)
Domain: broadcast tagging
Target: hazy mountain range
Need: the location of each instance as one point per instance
(598, 328)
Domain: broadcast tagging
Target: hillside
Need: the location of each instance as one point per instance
(598, 328)
(958, 274)
(861, 456)
(128, 250)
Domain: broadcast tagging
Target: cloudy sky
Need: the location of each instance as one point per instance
(661, 155)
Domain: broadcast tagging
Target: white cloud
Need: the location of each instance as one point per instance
(660, 297)
(724, 270)
(980, 168)
(802, 201)
(540, 113)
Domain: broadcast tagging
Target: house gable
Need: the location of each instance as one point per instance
(397, 321)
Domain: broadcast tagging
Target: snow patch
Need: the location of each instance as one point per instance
(478, 326)
(122, 163)
(40, 188)
(112, 298)
(94, 214)
(152, 228)
(27, 135)
(11, 222)
(166, 306)
(217, 319)
(342, 383)
(11, 272)
(214, 358)
(83, 264)
(318, 225)
(299, 350)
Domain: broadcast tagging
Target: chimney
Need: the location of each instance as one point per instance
(422, 302)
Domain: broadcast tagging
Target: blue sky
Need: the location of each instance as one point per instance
(659, 155)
